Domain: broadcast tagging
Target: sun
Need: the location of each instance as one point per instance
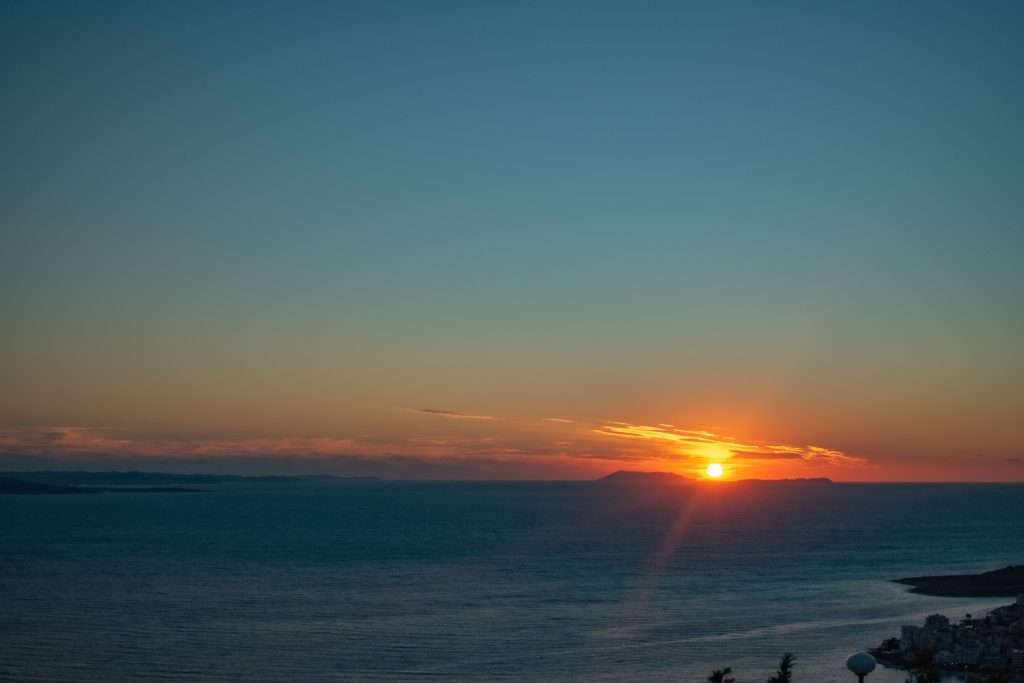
(714, 470)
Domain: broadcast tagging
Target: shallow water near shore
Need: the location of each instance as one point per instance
(482, 581)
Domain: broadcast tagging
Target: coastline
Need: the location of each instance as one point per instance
(990, 645)
(1007, 582)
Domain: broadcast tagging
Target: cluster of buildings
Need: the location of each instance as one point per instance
(992, 644)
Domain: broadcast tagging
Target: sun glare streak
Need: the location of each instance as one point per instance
(639, 599)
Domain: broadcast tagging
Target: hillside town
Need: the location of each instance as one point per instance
(991, 645)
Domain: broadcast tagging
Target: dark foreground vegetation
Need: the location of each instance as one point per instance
(783, 675)
(928, 673)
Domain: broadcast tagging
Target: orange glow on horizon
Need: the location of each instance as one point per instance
(476, 443)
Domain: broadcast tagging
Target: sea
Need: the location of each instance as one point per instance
(389, 581)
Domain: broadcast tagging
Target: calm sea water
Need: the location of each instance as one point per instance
(479, 581)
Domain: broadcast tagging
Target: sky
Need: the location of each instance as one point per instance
(538, 240)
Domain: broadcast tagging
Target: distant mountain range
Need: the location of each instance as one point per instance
(76, 481)
(631, 477)
(10, 485)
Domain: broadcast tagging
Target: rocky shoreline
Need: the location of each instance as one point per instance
(991, 645)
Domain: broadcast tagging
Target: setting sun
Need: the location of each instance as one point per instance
(714, 470)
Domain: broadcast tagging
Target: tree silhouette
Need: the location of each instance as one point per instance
(785, 672)
(722, 676)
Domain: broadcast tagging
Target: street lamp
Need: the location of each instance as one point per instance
(861, 664)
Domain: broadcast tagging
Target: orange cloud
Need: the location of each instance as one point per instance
(706, 444)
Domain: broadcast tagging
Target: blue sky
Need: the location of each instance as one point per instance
(272, 218)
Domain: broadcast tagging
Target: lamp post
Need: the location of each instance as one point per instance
(861, 664)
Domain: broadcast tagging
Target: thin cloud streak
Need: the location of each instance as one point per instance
(451, 414)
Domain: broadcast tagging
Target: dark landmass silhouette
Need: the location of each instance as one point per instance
(1006, 582)
(635, 477)
(669, 478)
(812, 481)
(84, 478)
(67, 481)
(14, 486)
(145, 489)
(10, 486)
(148, 481)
